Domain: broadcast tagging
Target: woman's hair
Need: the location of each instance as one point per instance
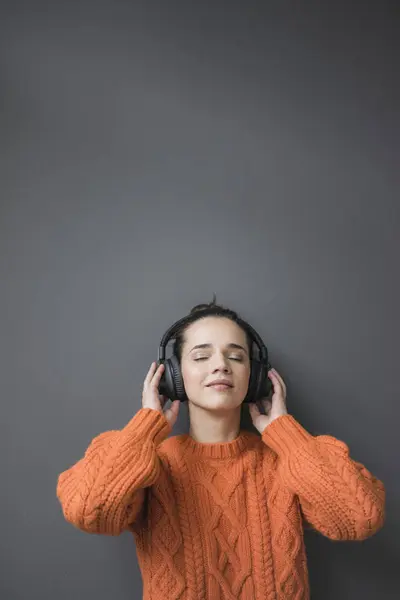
(201, 311)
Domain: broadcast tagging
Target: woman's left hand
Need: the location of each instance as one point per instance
(274, 408)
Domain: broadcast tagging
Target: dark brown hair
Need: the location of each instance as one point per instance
(201, 311)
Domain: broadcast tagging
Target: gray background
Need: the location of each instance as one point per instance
(151, 154)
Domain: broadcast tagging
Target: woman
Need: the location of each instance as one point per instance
(219, 513)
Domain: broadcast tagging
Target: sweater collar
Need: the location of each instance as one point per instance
(215, 450)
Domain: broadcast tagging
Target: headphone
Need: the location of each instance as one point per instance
(171, 383)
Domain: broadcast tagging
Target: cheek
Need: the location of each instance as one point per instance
(246, 377)
(192, 374)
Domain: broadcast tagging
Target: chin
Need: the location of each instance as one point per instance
(218, 402)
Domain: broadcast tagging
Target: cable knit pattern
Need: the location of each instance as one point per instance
(221, 521)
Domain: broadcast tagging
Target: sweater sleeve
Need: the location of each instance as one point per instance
(339, 497)
(104, 491)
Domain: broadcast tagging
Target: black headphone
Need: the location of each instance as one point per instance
(171, 383)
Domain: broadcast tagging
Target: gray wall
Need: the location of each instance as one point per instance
(151, 155)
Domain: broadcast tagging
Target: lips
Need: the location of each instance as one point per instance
(220, 382)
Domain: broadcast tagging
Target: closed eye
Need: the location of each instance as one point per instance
(232, 358)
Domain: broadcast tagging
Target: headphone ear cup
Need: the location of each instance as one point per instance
(259, 384)
(265, 384)
(166, 385)
(252, 389)
(171, 382)
(178, 385)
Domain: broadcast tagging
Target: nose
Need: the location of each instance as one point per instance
(220, 363)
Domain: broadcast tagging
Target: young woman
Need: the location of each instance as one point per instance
(219, 513)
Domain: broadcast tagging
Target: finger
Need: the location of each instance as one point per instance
(267, 404)
(273, 380)
(174, 408)
(157, 376)
(254, 410)
(172, 411)
(277, 385)
(150, 374)
(279, 378)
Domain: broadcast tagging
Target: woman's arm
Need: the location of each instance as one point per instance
(338, 496)
(104, 491)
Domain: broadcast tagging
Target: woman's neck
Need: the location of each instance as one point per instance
(211, 427)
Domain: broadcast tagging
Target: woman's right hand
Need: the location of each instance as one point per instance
(152, 399)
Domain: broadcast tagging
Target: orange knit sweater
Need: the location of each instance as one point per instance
(220, 521)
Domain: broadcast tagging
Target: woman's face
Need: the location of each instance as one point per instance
(225, 355)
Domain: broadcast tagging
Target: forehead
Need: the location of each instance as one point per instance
(214, 330)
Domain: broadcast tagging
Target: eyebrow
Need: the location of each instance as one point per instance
(231, 345)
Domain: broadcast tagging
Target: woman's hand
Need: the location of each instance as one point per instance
(274, 408)
(152, 399)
